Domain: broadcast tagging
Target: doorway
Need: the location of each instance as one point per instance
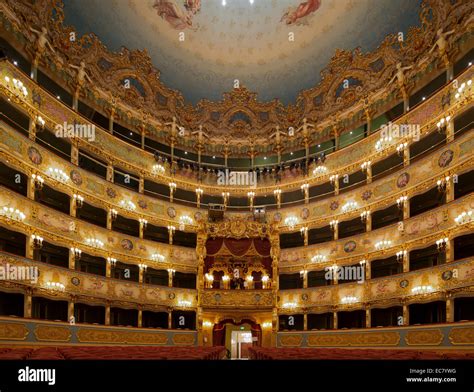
(240, 343)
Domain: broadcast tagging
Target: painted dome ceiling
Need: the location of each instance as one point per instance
(241, 41)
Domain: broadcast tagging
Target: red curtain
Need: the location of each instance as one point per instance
(238, 247)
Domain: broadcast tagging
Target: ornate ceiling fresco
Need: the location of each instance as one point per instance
(243, 41)
(335, 73)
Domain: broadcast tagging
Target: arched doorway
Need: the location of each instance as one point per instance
(237, 336)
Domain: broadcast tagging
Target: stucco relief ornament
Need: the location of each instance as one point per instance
(42, 43)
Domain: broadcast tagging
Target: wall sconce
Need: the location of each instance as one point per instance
(171, 230)
(79, 200)
(320, 170)
(37, 241)
(333, 224)
(304, 231)
(207, 324)
(265, 281)
(267, 325)
(304, 187)
(463, 89)
(277, 194)
(303, 273)
(350, 206)
(13, 214)
(199, 193)
(441, 124)
(171, 271)
(442, 244)
(142, 267)
(157, 257)
(143, 222)
(128, 205)
(401, 201)
(349, 299)
(363, 262)
(38, 181)
(40, 122)
(17, 87)
(158, 169)
(225, 196)
(55, 286)
(225, 281)
(94, 242)
(183, 221)
(401, 147)
(333, 179)
(401, 256)
(111, 261)
(422, 289)
(383, 244)
(443, 184)
(318, 258)
(365, 215)
(365, 166)
(113, 214)
(76, 253)
(289, 305)
(210, 279)
(172, 186)
(184, 304)
(463, 218)
(383, 143)
(57, 174)
(291, 222)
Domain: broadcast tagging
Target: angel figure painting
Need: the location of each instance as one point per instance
(178, 17)
(299, 15)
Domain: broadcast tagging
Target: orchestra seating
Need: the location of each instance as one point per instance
(260, 353)
(113, 352)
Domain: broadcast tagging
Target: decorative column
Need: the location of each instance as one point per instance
(305, 278)
(368, 268)
(367, 168)
(110, 173)
(274, 238)
(334, 180)
(277, 193)
(170, 319)
(368, 320)
(201, 256)
(27, 304)
(305, 190)
(111, 117)
(111, 215)
(334, 320)
(141, 184)
(449, 189)
(70, 310)
(336, 134)
(251, 196)
(406, 315)
(32, 127)
(73, 206)
(450, 251)
(108, 267)
(450, 129)
(107, 314)
(199, 193)
(140, 317)
(449, 308)
(171, 230)
(172, 186)
(142, 226)
(334, 225)
(29, 251)
(305, 320)
(170, 277)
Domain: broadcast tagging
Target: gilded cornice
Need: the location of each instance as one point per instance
(318, 103)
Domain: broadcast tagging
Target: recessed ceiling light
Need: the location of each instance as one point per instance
(423, 98)
(58, 97)
(15, 62)
(213, 157)
(131, 133)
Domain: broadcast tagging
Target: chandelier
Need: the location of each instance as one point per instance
(383, 143)
(318, 259)
(55, 286)
(158, 169)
